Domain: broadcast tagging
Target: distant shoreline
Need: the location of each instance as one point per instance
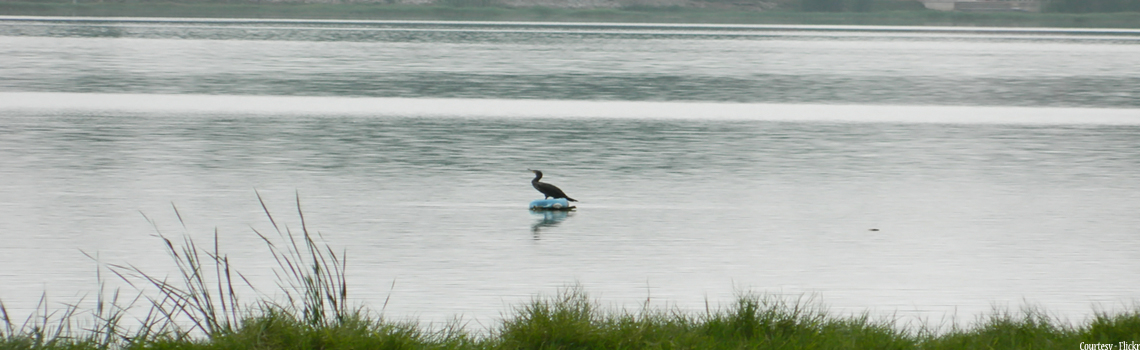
(360, 11)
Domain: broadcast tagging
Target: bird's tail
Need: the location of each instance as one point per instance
(571, 199)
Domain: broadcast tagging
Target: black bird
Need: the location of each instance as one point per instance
(548, 189)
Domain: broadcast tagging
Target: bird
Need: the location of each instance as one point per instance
(548, 189)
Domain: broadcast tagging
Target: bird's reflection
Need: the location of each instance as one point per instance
(549, 218)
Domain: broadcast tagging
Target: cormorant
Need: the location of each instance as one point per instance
(548, 189)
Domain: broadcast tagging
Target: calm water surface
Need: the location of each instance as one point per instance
(925, 173)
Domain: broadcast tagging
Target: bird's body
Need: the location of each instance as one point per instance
(550, 191)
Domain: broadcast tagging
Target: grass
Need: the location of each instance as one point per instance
(199, 309)
(499, 13)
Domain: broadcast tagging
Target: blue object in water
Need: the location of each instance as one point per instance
(551, 204)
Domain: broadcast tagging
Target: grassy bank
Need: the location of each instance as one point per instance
(491, 13)
(571, 320)
(200, 310)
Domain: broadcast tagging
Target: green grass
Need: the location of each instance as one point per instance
(200, 310)
(496, 13)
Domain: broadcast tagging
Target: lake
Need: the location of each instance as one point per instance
(927, 173)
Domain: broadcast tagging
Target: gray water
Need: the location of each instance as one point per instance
(916, 172)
